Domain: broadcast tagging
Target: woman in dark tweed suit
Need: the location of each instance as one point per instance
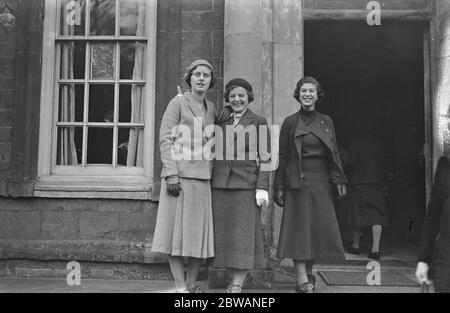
(309, 170)
(240, 187)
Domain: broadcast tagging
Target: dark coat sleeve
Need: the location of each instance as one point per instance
(432, 221)
(337, 173)
(283, 155)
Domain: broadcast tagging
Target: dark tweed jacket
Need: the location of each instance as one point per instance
(242, 169)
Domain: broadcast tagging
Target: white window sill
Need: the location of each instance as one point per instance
(94, 187)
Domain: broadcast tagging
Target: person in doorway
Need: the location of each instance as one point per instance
(309, 169)
(434, 253)
(184, 224)
(366, 189)
(240, 187)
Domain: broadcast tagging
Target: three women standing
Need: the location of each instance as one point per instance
(309, 168)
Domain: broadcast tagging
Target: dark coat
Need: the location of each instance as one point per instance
(435, 241)
(242, 169)
(289, 174)
(365, 160)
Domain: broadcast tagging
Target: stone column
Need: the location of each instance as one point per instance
(244, 54)
(287, 36)
(440, 77)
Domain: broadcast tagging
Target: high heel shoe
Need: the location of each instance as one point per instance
(304, 288)
(374, 256)
(312, 279)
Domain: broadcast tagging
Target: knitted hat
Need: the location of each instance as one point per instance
(239, 82)
(200, 62)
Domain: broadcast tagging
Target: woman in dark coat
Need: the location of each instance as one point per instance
(366, 192)
(434, 250)
(309, 172)
(240, 187)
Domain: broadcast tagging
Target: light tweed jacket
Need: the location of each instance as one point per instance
(179, 119)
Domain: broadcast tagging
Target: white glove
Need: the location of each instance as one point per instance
(422, 273)
(262, 197)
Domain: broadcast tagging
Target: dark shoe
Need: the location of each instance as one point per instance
(312, 280)
(304, 288)
(352, 250)
(374, 256)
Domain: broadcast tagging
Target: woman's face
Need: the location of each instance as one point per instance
(201, 79)
(308, 96)
(238, 99)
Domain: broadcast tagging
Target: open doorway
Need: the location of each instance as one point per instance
(376, 73)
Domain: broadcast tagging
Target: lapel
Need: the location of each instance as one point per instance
(247, 119)
(196, 111)
(319, 128)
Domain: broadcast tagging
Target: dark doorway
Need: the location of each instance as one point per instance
(376, 73)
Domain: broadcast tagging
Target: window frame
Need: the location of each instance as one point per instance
(92, 181)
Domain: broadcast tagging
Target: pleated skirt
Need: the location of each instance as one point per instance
(184, 224)
(309, 227)
(237, 230)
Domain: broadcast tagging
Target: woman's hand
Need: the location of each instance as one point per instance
(278, 197)
(224, 115)
(342, 190)
(422, 273)
(173, 185)
(262, 197)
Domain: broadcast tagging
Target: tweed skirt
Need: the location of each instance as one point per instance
(237, 230)
(184, 224)
(309, 227)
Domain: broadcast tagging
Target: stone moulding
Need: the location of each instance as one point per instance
(80, 250)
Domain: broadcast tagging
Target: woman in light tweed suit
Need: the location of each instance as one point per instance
(184, 225)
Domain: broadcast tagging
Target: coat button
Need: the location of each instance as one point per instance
(302, 175)
(327, 130)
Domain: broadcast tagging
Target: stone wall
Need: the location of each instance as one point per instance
(202, 23)
(78, 230)
(7, 97)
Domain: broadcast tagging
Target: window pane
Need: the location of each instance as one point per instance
(70, 146)
(130, 147)
(102, 61)
(73, 18)
(101, 103)
(71, 103)
(100, 143)
(103, 20)
(73, 58)
(132, 17)
(132, 61)
(131, 104)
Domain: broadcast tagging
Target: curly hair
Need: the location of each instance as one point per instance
(226, 95)
(310, 80)
(188, 76)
